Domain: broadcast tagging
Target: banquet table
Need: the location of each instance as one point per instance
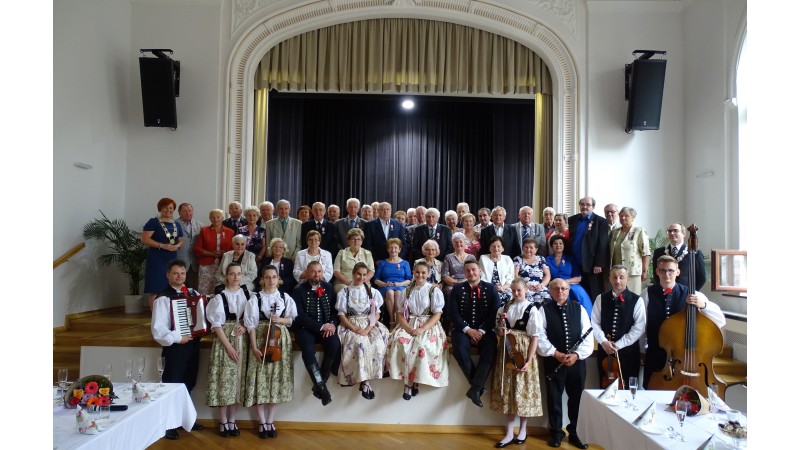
(136, 428)
(610, 426)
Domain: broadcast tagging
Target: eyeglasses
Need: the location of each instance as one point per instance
(561, 288)
(666, 271)
(674, 231)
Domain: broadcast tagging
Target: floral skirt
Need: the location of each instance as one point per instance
(419, 359)
(270, 382)
(363, 357)
(520, 394)
(206, 278)
(224, 374)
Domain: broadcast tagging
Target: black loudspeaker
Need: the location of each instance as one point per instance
(644, 89)
(160, 80)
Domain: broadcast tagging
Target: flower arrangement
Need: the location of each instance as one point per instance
(92, 390)
(697, 403)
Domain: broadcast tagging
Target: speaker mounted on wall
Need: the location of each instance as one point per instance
(160, 78)
(644, 90)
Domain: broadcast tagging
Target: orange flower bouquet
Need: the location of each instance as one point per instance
(90, 391)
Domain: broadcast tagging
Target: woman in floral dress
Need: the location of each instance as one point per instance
(362, 335)
(270, 382)
(228, 352)
(533, 269)
(417, 351)
(515, 391)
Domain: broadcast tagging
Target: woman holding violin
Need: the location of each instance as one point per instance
(515, 387)
(227, 361)
(618, 321)
(361, 333)
(270, 370)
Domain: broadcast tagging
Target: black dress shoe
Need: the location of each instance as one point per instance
(263, 431)
(575, 442)
(520, 441)
(271, 431)
(197, 427)
(554, 441)
(233, 430)
(414, 389)
(407, 392)
(223, 430)
(474, 394)
(502, 444)
(171, 434)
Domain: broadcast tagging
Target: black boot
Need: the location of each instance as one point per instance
(319, 390)
(329, 365)
(476, 384)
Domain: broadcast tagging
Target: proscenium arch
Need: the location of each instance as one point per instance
(276, 27)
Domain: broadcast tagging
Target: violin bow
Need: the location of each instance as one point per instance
(619, 366)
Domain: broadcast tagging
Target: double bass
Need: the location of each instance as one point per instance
(691, 341)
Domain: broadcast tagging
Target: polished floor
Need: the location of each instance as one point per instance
(350, 440)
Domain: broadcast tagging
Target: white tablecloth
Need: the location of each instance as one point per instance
(137, 428)
(610, 426)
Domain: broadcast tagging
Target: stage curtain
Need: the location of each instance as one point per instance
(446, 151)
(410, 56)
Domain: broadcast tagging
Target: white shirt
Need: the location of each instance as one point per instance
(420, 298)
(546, 348)
(712, 311)
(515, 312)
(357, 301)
(303, 259)
(283, 303)
(161, 323)
(215, 311)
(632, 336)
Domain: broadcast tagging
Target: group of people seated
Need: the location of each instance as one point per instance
(382, 296)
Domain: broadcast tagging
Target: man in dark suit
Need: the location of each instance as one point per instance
(431, 229)
(236, 218)
(588, 244)
(351, 220)
(676, 248)
(472, 308)
(316, 323)
(330, 239)
(380, 230)
(498, 227)
(526, 228)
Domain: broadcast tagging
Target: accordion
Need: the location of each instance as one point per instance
(189, 316)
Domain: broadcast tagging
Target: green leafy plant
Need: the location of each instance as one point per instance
(657, 241)
(126, 250)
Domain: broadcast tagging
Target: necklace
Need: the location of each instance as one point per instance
(170, 235)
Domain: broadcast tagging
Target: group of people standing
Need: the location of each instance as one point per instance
(486, 284)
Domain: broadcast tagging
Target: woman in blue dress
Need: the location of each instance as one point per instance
(561, 266)
(164, 238)
(392, 276)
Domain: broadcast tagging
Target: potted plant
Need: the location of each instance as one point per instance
(126, 251)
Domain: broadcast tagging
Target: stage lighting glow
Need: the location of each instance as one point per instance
(408, 104)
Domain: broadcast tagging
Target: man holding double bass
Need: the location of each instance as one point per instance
(618, 321)
(663, 300)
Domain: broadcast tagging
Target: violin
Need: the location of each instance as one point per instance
(691, 341)
(272, 337)
(613, 371)
(514, 358)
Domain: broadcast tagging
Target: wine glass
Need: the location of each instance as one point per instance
(141, 368)
(63, 374)
(633, 384)
(161, 364)
(681, 408)
(107, 371)
(128, 373)
(713, 401)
